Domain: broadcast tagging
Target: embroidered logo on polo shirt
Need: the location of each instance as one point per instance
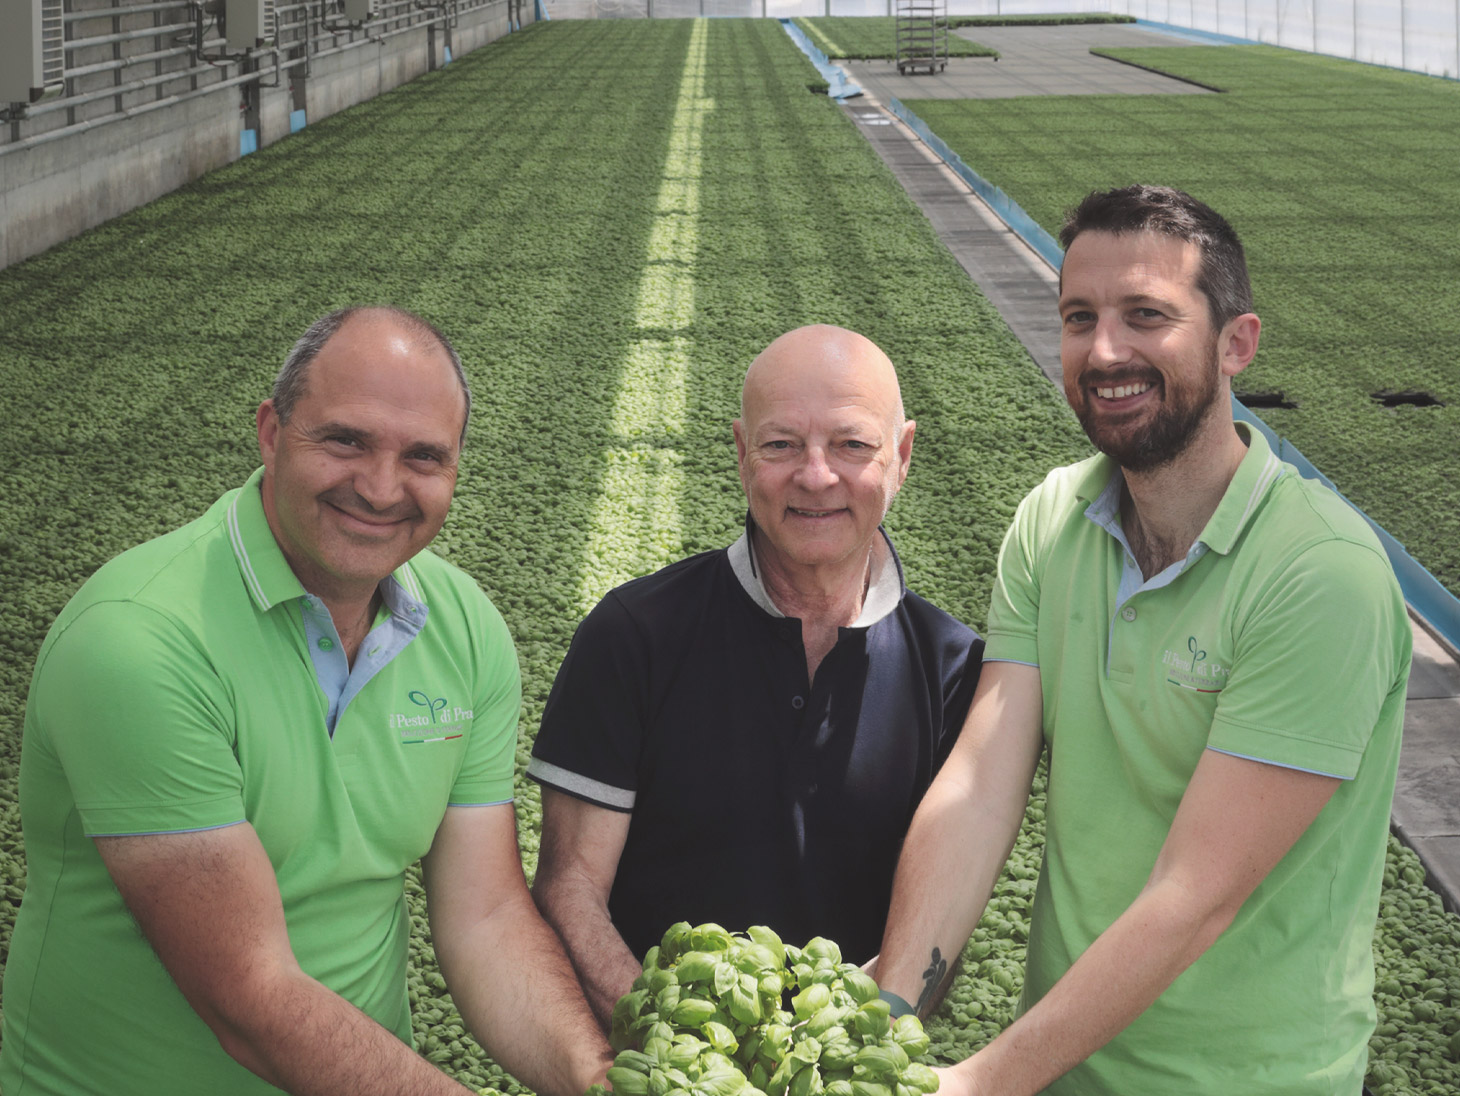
(1191, 669)
(434, 720)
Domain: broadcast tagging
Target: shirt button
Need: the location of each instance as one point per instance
(1128, 613)
(798, 702)
(326, 643)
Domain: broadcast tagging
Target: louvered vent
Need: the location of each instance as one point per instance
(248, 24)
(53, 43)
(32, 50)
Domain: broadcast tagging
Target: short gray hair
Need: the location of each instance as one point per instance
(292, 382)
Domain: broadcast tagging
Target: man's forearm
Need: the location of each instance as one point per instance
(943, 882)
(307, 1040)
(1238, 818)
(961, 836)
(603, 961)
(1117, 978)
(515, 988)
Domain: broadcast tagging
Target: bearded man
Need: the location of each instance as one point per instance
(1215, 653)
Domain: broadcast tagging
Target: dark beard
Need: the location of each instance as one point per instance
(1168, 436)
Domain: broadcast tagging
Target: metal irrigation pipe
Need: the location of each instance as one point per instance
(135, 59)
(112, 13)
(280, 65)
(374, 38)
(133, 112)
(51, 105)
(127, 35)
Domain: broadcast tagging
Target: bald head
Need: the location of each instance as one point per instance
(823, 449)
(291, 383)
(819, 357)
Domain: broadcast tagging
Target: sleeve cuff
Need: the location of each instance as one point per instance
(575, 784)
(1286, 750)
(152, 818)
(1004, 647)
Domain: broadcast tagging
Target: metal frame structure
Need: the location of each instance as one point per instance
(123, 58)
(922, 36)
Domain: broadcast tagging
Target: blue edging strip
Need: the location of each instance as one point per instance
(297, 121)
(1023, 225)
(541, 12)
(248, 141)
(1439, 608)
(1209, 36)
(838, 86)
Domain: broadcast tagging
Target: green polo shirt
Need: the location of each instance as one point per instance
(1282, 637)
(177, 691)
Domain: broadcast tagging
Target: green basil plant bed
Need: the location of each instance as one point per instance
(1052, 20)
(873, 38)
(610, 219)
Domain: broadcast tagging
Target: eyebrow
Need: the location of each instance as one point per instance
(844, 428)
(338, 429)
(1126, 301)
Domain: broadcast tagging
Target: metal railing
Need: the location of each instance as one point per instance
(125, 59)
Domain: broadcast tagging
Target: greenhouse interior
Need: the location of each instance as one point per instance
(611, 208)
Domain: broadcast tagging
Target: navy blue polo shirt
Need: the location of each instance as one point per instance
(757, 797)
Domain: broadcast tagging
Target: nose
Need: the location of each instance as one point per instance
(1108, 345)
(378, 481)
(815, 472)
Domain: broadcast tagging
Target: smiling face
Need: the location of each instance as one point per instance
(360, 478)
(822, 447)
(1145, 371)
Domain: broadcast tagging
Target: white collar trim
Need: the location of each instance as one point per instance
(883, 594)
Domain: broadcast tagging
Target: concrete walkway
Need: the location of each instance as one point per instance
(1033, 61)
(1426, 812)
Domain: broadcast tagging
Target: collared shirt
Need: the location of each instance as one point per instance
(885, 586)
(1281, 637)
(402, 615)
(179, 690)
(400, 619)
(757, 796)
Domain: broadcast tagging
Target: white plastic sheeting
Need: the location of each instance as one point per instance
(1421, 35)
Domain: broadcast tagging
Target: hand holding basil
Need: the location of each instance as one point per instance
(706, 1018)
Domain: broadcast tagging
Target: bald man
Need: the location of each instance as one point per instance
(743, 736)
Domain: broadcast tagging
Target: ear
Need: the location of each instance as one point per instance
(738, 429)
(904, 450)
(1238, 343)
(267, 421)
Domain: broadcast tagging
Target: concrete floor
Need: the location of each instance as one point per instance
(1056, 60)
(1033, 61)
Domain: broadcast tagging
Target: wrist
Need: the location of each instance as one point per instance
(899, 1006)
(594, 1071)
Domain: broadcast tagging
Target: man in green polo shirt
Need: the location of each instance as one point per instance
(1215, 653)
(240, 735)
